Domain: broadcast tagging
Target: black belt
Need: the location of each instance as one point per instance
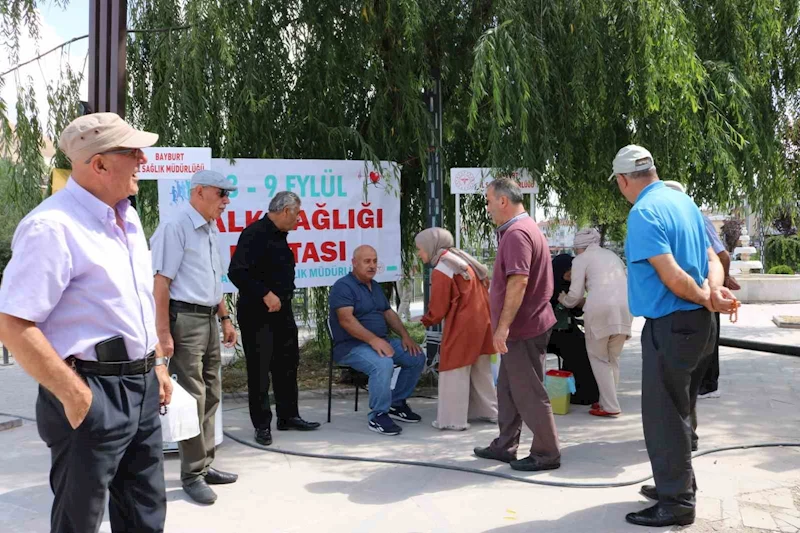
(193, 308)
(124, 368)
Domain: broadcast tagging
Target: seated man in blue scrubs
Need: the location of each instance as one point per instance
(360, 318)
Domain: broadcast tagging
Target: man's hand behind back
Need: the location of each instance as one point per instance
(272, 302)
(723, 300)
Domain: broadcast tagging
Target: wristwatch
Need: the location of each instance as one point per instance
(224, 318)
(162, 361)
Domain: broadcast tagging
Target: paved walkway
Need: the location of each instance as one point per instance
(744, 490)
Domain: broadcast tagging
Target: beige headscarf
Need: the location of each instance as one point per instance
(436, 241)
(586, 237)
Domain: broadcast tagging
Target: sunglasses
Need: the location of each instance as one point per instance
(121, 151)
(223, 193)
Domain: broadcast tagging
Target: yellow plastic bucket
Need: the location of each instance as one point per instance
(560, 384)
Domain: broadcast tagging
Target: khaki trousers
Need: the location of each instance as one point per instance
(604, 357)
(196, 362)
(466, 393)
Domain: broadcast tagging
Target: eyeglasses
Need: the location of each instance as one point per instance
(224, 193)
(122, 151)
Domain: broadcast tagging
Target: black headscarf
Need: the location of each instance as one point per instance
(561, 264)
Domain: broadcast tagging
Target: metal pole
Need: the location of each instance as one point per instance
(433, 100)
(458, 220)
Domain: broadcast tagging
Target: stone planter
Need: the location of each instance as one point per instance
(766, 288)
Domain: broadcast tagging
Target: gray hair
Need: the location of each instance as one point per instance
(639, 174)
(283, 200)
(508, 188)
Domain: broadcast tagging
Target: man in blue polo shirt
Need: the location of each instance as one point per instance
(675, 281)
(360, 318)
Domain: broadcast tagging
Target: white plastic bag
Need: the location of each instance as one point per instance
(180, 422)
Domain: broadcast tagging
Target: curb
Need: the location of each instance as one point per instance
(9, 423)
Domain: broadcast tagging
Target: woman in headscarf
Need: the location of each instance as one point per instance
(607, 321)
(567, 340)
(460, 298)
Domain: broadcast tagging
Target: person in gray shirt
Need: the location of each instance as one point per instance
(188, 295)
(709, 385)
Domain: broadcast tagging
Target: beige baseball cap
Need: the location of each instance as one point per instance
(632, 158)
(92, 134)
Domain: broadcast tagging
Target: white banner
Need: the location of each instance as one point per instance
(165, 163)
(475, 180)
(345, 204)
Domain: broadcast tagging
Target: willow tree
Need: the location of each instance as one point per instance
(707, 86)
(556, 86)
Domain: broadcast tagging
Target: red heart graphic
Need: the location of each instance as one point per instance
(374, 177)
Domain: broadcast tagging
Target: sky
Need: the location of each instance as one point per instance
(57, 26)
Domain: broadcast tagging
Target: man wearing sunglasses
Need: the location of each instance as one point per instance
(188, 294)
(77, 312)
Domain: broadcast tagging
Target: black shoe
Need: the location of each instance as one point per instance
(216, 477)
(534, 464)
(296, 423)
(199, 491)
(403, 413)
(264, 437)
(657, 516)
(489, 453)
(384, 425)
(649, 491)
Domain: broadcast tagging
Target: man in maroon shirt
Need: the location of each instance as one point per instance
(522, 318)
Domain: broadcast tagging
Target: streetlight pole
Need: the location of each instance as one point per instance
(434, 214)
(107, 55)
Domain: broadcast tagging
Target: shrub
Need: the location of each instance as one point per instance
(783, 251)
(781, 269)
(5, 255)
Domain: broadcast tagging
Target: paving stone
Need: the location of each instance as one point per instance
(781, 498)
(789, 519)
(756, 518)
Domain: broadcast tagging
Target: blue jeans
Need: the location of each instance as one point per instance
(380, 369)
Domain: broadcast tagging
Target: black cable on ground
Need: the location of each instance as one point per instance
(19, 416)
(468, 470)
(780, 349)
(490, 473)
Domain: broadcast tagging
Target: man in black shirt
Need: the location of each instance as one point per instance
(262, 268)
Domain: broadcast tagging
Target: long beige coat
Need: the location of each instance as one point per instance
(601, 274)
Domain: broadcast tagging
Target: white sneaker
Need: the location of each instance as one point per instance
(708, 395)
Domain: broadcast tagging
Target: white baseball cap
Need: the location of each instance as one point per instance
(632, 158)
(675, 185)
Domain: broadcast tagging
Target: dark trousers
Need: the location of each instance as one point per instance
(674, 347)
(117, 449)
(271, 349)
(570, 346)
(710, 381)
(521, 397)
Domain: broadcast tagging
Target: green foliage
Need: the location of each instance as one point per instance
(781, 269)
(556, 86)
(783, 251)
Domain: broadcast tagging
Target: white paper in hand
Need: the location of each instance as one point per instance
(180, 422)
